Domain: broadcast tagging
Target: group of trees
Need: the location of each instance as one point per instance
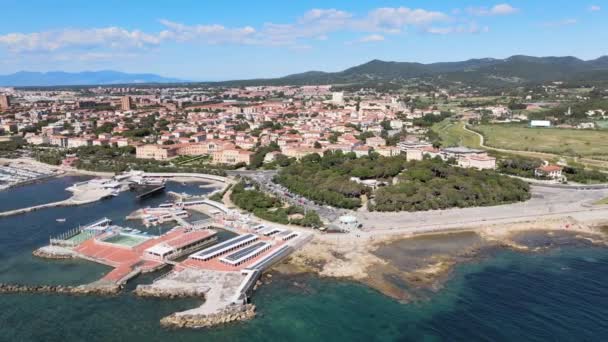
(318, 179)
(271, 208)
(434, 184)
(429, 120)
(9, 148)
(580, 175)
(257, 160)
(519, 166)
(327, 179)
(525, 166)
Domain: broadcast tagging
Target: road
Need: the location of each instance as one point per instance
(545, 203)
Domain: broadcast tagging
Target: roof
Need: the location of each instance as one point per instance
(550, 168)
(159, 249)
(481, 158)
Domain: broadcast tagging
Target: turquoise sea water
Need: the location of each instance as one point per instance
(560, 295)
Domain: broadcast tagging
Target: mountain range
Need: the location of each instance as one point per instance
(60, 78)
(510, 71)
(486, 71)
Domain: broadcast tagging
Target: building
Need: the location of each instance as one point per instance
(388, 151)
(5, 102)
(375, 142)
(337, 98)
(478, 161)
(157, 152)
(126, 103)
(232, 157)
(540, 123)
(414, 154)
(549, 171)
(468, 157)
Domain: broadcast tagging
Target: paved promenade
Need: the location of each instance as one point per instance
(545, 203)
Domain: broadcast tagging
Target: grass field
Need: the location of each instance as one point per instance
(570, 142)
(453, 134)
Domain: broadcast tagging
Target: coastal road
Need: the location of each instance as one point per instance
(545, 203)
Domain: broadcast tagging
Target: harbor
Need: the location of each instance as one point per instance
(15, 174)
(192, 260)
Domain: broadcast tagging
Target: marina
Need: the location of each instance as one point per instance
(14, 174)
(200, 265)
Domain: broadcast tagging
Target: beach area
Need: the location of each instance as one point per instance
(398, 264)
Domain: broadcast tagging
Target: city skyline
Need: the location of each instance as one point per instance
(202, 42)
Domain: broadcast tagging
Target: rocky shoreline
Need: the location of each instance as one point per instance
(155, 292)
(54, 252)
(104, 290)
(193, 321)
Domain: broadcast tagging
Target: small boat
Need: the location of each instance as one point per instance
(60, 220)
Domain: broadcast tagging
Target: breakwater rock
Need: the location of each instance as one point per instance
(231, 314)
(61, 289)
(159, 292)
(54, 252)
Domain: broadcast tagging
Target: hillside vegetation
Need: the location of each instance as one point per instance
(433, 184)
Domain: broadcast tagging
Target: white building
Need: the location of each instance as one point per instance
(540, 123)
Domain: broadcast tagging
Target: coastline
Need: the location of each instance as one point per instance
(361, 259)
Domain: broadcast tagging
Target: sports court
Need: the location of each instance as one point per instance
(125, 240)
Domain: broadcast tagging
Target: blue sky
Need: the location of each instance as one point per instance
(218, 40)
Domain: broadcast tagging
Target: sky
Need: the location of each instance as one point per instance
(237, 39)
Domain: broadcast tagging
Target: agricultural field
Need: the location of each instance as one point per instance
(568, 142)
(454, 134)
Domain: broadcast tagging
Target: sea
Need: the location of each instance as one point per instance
(557, 295)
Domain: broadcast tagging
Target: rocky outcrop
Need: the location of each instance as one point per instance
(158, 292)
(61, 289)
(53, 252)
(228, 315)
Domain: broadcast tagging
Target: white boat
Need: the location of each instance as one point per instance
(60, 220)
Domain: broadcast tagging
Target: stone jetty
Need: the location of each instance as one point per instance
(231, 314)
(54, 252)
(156, 292)
(90, 289)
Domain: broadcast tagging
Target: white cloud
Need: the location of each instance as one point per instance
(372, 38)
(393, 20)
(595, 8)
(560, 23)
(111, 37)
(470, 28)
(210, 34)
(315, 24)
(500, 9)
